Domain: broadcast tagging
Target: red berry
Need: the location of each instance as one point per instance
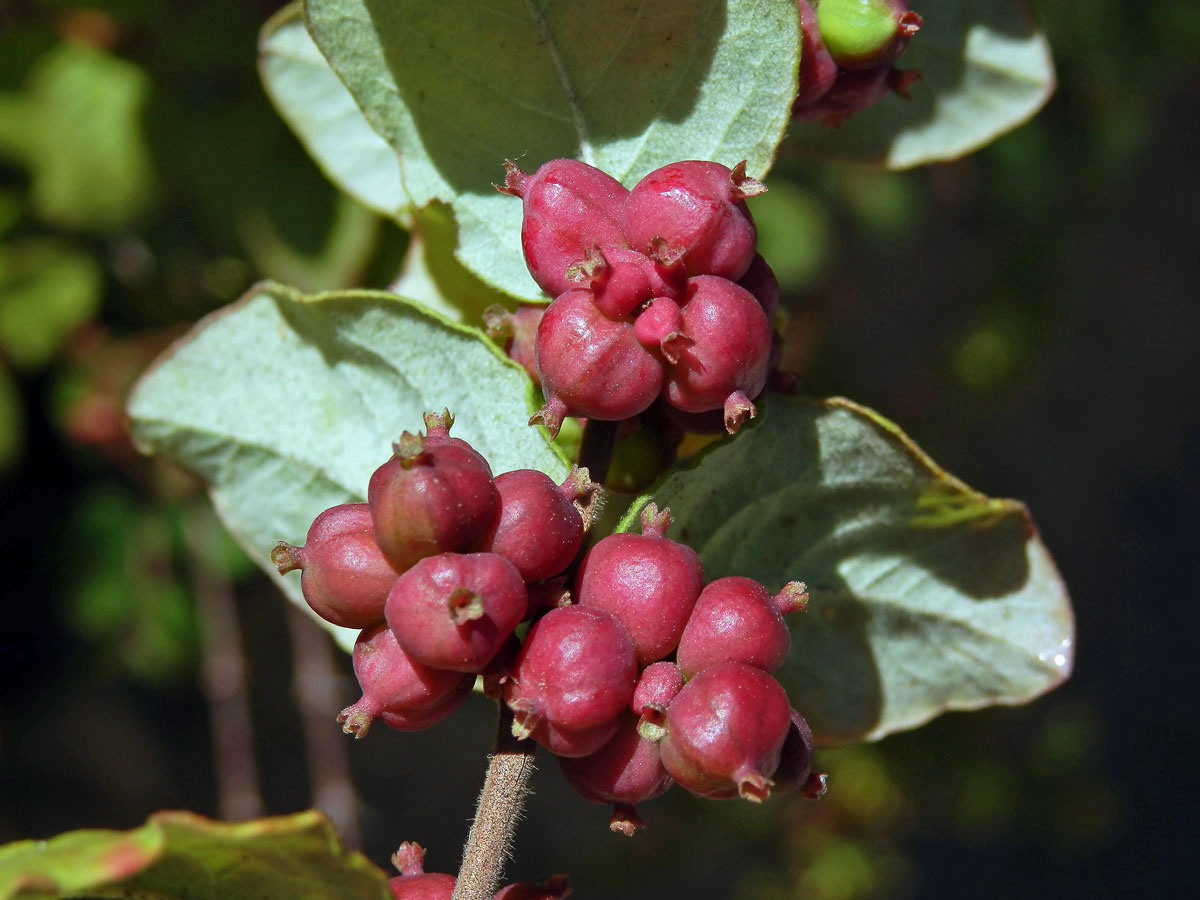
(569, 207)
(407, 695)
(659, 328)
(795, 762)
(576, 671)
(520, 330)
(344, 576)
(454, 611)
(591, 365)
(413, 882)
(724, 365)
(434, 495)
(725, 730)
(539, 529)
(621, 280)
(648, 581)
(760, 281)
(851, 93)
(555, 887)
(737, 620)
(695, 211)
(656, 688)
(625, 772)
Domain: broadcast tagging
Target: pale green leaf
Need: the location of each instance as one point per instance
(985, 69)
(459, 86)
(926, 596)
(286, 404)
(182, 856)
(317, 106)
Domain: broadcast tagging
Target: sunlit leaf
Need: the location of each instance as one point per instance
(926, 595)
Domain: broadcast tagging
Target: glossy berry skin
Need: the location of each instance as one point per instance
(648, 581)
(864, 34)
(344, 576)
(726, 360)
(625, 772)
(695, 211)
(622, 280)
(538, 530)
(455, 610)
(591, 365)
(434, 495)
(659, 328)
(656, 687)
(725, 730)
(569, 207)
(736, 619)
(407, 695)
(817, 68)
(576, 671)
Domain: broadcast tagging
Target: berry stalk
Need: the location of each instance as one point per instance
(500, 803)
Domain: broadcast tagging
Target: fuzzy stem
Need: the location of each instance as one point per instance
(596, 448)
(500, 803)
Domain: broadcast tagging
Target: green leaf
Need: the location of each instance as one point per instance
(985, 69)
(926, 596)
(47, 290)
(81, 136)
(286, 404)
(323, 114)
(457, 87)
(183, 856)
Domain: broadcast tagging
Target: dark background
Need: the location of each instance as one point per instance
(1029, 315)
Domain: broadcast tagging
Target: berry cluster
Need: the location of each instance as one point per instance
(658, 291)
(437, 569)
(652, 677)
(848, 47)
(414, 883)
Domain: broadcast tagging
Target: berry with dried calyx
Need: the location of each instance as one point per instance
(519, 328)
(591, 365)
(659, 328)
(405, 694)
(725, 362)
(539, 528)
(626, 771)
(863, 34)
(621, 280)
(656, 688)
(737, 620)
(455, 610)
(569, 207)
(725, 731)
(576, 671)
(648, 581)
(344, 576)
(695, 211)
(851, 93)
(413, 882)
(795, 771)
(434, 495)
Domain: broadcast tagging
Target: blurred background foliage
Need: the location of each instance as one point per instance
(1028, 314)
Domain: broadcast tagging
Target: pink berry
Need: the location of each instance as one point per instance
(695, 211)
(413, 882)
(591, 365)
(407, 695)
(621, 280)
(576, 671)
(625, 772)
(817, 68)
(434, 495)
(725, 730)
(520, 330)
(737, 620)
(570, 742)
(454, 611)
(656, 688)
(539, 529)
(344, 576)
(851, 93)
(555, 887)
(659, 328)
(569, 207)
(648, 581)
(725, 363)
(760, 281)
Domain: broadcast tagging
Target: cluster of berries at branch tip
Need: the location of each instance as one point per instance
(634, 672)
(414, 883)
(847, 52)
(658, 293)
